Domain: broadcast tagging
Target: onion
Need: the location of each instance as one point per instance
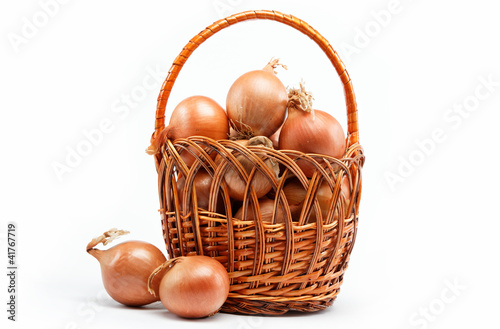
(126, 268)
(310, 131)
(194, 116)
(192, 287)
(202, 182)
(261, 184)
(266, 207)
(295, 194)
(256, 102)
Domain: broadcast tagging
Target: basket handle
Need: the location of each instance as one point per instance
(352, 111)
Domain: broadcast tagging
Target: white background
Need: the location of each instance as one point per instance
(436, 225)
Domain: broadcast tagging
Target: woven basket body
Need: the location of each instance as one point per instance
(296, 264)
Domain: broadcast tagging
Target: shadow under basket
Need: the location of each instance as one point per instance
(296, 259)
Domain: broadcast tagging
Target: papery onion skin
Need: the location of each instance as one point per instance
(194, 116)
(275, 138)
(194, 286)
(256, 102)
(309, 132)
(198, 116)
(125, 270)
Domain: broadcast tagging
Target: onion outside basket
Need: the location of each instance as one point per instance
(273, 268)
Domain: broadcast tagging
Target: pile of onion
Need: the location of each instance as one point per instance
(310, 131)
(137, 273)
(256, 102)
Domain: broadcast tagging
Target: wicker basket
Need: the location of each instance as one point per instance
(274, 268)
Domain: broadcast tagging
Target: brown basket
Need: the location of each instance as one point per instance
(274, 268)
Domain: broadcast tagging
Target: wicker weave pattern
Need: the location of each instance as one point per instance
(274, 267)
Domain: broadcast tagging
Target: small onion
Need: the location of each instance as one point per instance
(256, 102)
(126, 268)
(310, 131)
(261, 184)
(192, 287)
(266, 207)
(194, 116)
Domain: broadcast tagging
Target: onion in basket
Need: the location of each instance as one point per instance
(194, 116)
(295, 194)
(256, 102)
(266, 207)
(261, 184)
(202, 183)
(310, 131)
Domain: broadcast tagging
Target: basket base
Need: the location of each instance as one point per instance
(258, 307)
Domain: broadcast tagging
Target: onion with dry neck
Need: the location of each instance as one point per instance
(260, 183)
(194, 116)
(256, 102)
(310, 131)
(191, 287)
(126, 268)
